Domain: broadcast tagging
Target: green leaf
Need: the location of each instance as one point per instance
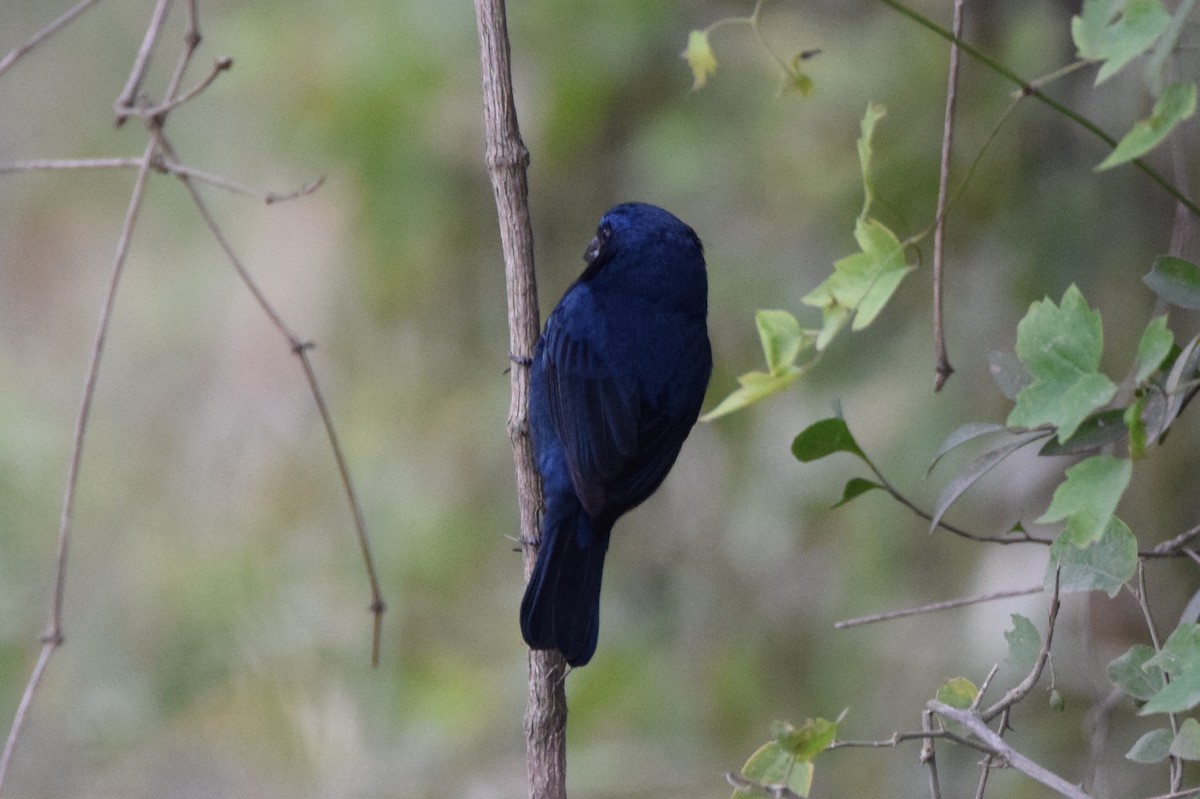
(854, 489)
(1186, 745)
(1181, 650)
(976, 470)
(1181, 379)
(1024, 644)
(1088, 498)
(782, 339)
(1177, 696)
(1010, 374)
(808, 740)
(961, 435)
(1167, 46)
(861, 283)
(753, 386)
(1180, 658)
(794, 78)
(1061, 346)
(824, 438)
(787, 761)
(1137, 429)
(1134, 674)
(1057, 702)
(1116, 32)
(958, 692)
(1153, 747)
(872, 116)
(1154, 347)
(699, 56)
(770, 765)
(1177, 386)
(887, 267)
(1095, 432)
(800, 780)
(1177, 103)
(1104, 566)
(1175, 280)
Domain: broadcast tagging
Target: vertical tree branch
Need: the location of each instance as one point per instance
(507, 159)
(943, 369)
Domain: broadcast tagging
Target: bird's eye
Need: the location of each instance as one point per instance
(604, 233)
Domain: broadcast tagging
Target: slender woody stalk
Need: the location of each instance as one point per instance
(507, 160)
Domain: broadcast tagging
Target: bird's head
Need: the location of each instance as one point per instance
(646, 238)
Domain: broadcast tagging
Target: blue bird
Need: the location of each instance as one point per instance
(616, 383)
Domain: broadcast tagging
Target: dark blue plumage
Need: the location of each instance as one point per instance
(617, 380)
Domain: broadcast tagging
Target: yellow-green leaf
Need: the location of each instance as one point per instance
(1177, 103)
(958, 692)
(700, 58)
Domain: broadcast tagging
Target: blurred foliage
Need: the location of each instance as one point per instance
(217, 632)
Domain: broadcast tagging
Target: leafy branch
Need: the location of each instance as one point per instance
(703, 62)
(1121, 39)
(864, 282)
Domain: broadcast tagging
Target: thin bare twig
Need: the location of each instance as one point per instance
(943, 369)
(222, 64)
(928, 755)
(299, 348)
(161, 164)
(33, 41)
(128, 96)
(1019, 537)
(152, 159)
(1174, 545)
(269, 197)
(903, 737)
(377, 605)
(191, 41)
(39, 165)
(936, 606)
(987, 682)
(53, 637)
(1143, 600)
(1022, 689)
(990, 742)
(1177, 794)
(985, 769)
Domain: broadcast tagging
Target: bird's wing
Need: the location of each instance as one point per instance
(595, 420)
(660, 436)
(618, 446)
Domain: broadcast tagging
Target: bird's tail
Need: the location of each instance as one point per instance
(561, 607)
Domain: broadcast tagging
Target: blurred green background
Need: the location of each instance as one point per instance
(216, 624)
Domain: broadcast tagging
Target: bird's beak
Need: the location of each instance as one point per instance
(593, 249)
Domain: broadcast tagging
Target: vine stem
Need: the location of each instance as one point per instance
(1031, 89)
